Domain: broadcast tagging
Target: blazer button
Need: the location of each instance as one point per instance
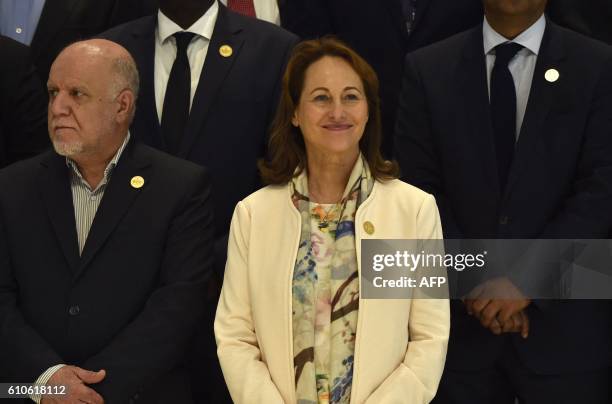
(74, 310)
(504, 220)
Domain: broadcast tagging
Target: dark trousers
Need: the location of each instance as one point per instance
(509, 382)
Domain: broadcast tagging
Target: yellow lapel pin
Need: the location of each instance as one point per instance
(137, 182)
(226, 51)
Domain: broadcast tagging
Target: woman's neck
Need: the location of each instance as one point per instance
(328, 176)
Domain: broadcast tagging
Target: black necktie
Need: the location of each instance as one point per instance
(503, 109)
(178, 91)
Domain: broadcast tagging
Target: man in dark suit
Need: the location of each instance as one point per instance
(209, 100)
(104, 296)
(23, 107)
(508, 125)
(382, 32)
(49, 26)
(592, 18)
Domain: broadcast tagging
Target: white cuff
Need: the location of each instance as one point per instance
(43, 379)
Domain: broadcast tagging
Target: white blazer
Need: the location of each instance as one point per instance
(400, 345)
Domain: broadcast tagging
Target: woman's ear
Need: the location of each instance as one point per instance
(294, 120)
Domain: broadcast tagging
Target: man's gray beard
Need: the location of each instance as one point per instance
(68, 149)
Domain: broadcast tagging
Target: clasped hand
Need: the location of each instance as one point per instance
(76, 380)
(500, 307)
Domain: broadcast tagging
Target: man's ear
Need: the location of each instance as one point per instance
(125, 104)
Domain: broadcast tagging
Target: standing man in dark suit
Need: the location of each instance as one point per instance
(382, 32)
(48, 26)
(210, 87)
(104, 296)
(508, 125)
(592, 18)
(23, 107)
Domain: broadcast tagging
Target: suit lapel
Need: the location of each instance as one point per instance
(146, 125)
(216, 67)
(118, 197)
(474, 102)
(52, 18)
(54, 186)
(541, 97)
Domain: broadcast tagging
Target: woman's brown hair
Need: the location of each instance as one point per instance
(286, 149)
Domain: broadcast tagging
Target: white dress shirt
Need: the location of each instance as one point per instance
(165, 51)
(266, 10)
(521, 66)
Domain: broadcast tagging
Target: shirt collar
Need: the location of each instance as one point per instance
(203, 27)
(531, 38)
(109, 167)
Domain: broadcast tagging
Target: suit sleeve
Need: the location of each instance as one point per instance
(157, 339)
(24, 354)
(586, 212)
(26, 119)
(416, 379)
(247, 376)
(414, 146)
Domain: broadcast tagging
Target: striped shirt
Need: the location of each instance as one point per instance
(86, 200)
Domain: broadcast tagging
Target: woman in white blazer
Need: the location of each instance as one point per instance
(291, 324)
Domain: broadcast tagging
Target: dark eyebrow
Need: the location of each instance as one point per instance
(353, 88)
(319, 88)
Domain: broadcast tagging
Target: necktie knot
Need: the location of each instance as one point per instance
(182, 41)
(505, 52)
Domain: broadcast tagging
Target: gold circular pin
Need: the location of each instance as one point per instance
(368, 227)
(226, 51)
(551, 75)
(137, 182)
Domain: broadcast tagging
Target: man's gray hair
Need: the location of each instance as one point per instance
(127, 77)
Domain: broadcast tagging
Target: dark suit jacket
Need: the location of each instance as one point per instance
(592, 18)
(130, 303)
(23, 105)
(377, 31)
(232, 108)
(65, 21)
(560, 183)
